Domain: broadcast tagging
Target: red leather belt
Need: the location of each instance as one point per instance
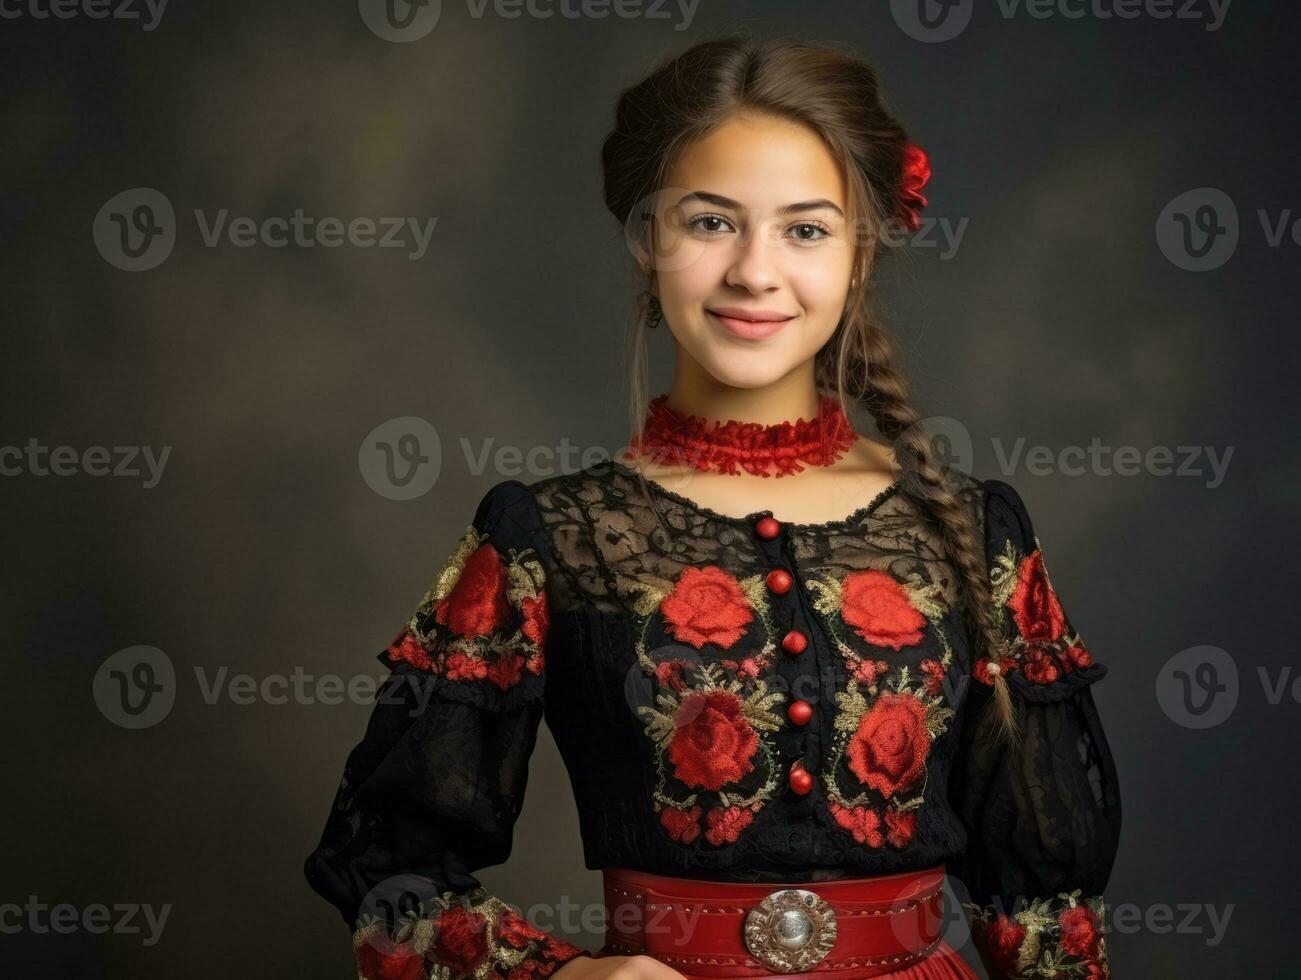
(845, 927)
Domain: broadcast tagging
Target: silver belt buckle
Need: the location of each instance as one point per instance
(791, 930)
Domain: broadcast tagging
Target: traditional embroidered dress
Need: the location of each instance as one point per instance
(738, 699)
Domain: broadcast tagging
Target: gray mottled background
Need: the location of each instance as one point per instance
(1063, 317)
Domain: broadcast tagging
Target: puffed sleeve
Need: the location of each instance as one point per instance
(432, 791)
(1042, 811)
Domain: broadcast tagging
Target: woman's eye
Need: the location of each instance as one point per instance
(807, 231)
(708, 223)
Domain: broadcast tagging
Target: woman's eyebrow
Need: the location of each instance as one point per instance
(718, 200)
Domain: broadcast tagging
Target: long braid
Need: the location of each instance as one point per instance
(870, 370)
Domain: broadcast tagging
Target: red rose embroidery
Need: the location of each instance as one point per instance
(726, 823)
(1038, 614)
(669, 673)
(682, 825)
(878, 609)
(1079, 932)
(461, 667)
(706, 606)
(866, 672)
(380, 958)
(934, 676)
(863, 823)
(712, 742)
(536, 617)
(477, 604)
(461, 943)
(407, 647)
(745, 667)
(1040, 668)
(900, 827)
(506, 670)
(888, 752)
(1003, 942)
(1077, 657)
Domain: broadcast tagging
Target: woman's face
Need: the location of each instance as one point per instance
(753, 251)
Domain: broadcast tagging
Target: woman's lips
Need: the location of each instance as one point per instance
(748, 329)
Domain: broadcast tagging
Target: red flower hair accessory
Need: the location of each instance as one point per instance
(916, 175)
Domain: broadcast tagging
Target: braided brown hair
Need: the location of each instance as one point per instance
(840, 98)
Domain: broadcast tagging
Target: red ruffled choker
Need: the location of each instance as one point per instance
(780, 449)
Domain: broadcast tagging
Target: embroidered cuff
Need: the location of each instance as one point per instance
(469, 935)
(1053, 937)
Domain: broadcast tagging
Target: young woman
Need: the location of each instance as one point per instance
(796, 673)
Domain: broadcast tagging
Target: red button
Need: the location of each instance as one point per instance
(767, 528)
(800, 780)
(799, 712)
(780, 581)
(795, 642)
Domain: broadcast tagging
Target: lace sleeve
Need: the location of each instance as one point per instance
(1043, 813)
(432, 791)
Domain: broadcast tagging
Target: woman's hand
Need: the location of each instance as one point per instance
(616, 968)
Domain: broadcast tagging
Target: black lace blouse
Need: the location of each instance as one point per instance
(737, 698)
